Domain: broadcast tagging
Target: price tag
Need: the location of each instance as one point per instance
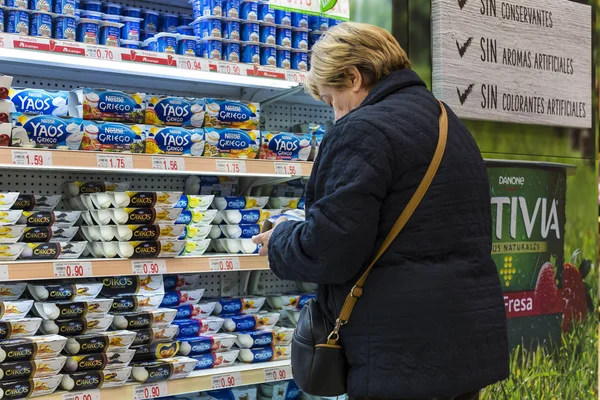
(149, 267)
(6, 42)
(114, 161)
(152, 391)
(231, 166)
(288, 168)
(168, 163)
(74, 269)
(88, 395)
(100, 53)
(278, 374)
(224, 264)
(31, 157)
(3, 272)
(192, 64)
(295, 76)
(226, 380)
(230, 69)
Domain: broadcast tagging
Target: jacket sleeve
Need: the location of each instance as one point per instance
(336, 240)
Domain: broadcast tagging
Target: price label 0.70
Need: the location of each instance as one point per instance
(278, 374)
(151, 391)
(74, 269)
(224, 264)
(226, 380)
(88, 395)
(31, 157)
(149, 267)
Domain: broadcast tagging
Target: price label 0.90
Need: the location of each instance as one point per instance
(149, 267)
(88, 395)
(31, 157)
(224, 264)
(151, 391)
(168, 163)
(73, 269)
(288, 168)
(231, 166)
(226, 380)
(278, 374)
(114, 161)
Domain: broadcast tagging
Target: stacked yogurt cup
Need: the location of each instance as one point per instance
(5, 103)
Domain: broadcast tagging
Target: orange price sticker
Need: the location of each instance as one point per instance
(151, 391)
(224, 264)
(31, 157)
(288, 168)
(226, 380)
(149, 267)
(231, 166)
(278, 374)
(74, 269)
(168, 163)
(114, 161)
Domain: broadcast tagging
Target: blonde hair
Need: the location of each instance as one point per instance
(369, 48)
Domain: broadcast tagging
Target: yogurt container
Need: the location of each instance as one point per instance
(234, 114)
(265, 354)
(19, 328)
(268, 55)
(176, 111)
(132, 12)
(207, 344)
(284, 58)
(251, 53)
(110, 34)
(112, 136)
(41, 102)
(231, 30)
(265, 14)
(150, 44)
(46, 131)
(213, 48)
(107, 105)
(175, 140)
(316, 23)
(20, 4)
(111, 8)
(185, 20)
(150, 20)
(300, 60)
(117, 341)
(89, 14)
(130, 44)
(314, 37)
(299, 20)
(111, 18)
(231, 50)
(88, 31)
(145, 35)
(231, 143)
(208, 27)
(250, 32)
(91, 5)
(185, 30)
(129, 285)
(131, 28)
(283, 17)
(285, 146)
(231, 9)
(166, 42)
(168, 22)
(18, 22)
(334, 22)
(268, 34)
(249, 10)
(300, 39)
(186, 45)
(207, 7)
(216, 360)
(40, 5)
(284, 37)
(65, 7)
(198, 327)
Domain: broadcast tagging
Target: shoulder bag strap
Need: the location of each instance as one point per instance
(416, 198)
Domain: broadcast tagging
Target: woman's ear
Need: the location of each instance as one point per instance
(356, 80)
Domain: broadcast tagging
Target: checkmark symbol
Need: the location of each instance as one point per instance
(462, 49)
(461, 3)
(462, 97)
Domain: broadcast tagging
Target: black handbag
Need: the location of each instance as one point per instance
(319, 364)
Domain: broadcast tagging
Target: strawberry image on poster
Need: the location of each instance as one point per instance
(545, 288)
(573, 297)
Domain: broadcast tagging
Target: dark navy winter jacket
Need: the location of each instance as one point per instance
(431, 320)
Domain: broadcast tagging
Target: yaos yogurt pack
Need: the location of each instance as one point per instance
(39, 101)
(175, 111)
(46, 131)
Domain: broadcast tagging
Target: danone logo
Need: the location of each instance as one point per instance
(511, 183)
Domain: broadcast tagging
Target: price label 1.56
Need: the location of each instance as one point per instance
(231, 166)
(114, 161)
(168, 163)
(149, 267)
(88, 395)
(224, 264)
(151, 391)
(74, 269)
(30, 157)
(226, 380)
(288, 168)
(278, 374)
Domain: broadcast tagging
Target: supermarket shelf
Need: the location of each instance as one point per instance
(144, 70)
(237, 375)
(82, 268)
(13, 158)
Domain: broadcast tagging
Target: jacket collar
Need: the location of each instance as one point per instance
(392, 83)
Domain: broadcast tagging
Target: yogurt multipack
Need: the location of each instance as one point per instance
(175, 140)
(39, 101)
(232, 143)
(234, 114)
(107, 105)
(175, 111)
(113, 136)
(285, 146)
(46, 131)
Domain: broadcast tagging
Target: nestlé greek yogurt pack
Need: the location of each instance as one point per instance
(39, 101)
(107, 105)
(46, 131)
(231, 143)
(113, 136)
(234, 114)
(176, 111)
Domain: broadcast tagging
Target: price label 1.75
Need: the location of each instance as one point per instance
(88, 395)
(151, 391)
(226, 380)
(31, 157)
(114, 161)
(224, 264)
(278, 374)
(149, 267)
(231, 166)
(74, 269)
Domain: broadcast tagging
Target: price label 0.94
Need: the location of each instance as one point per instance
(149, 267)
(88, 395)
(288, 168)
(226, 380)
(168, 163)
(278, 374)
(114, 161)
(73, 269)
(224, 264)
(231, 166)
(30, 157)
(151, 391)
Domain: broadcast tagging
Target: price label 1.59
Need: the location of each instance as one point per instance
(114, 161)
(30, 157)
(149, 267)
(168, 163)
(226, 380)
(231, 166)
(152, 391)
(224, 264)
(88, 395)
(278, 374)
(74, 269)
(288, 168)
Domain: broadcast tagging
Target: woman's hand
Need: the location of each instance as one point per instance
(263, 238)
